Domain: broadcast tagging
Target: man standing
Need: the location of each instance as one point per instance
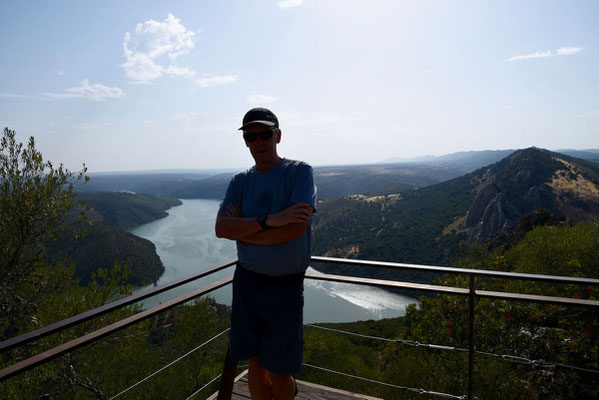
(267, 210)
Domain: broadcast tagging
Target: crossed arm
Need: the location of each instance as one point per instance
(285, 225)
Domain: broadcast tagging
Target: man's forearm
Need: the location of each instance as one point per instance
(285, 225)
(236, 228)
(276, 235)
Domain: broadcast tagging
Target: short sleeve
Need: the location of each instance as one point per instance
(304, 190)
(232, 195)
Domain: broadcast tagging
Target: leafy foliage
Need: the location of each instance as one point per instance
(37, 202)
(104, 245)
(128, 210)
(107, 367)
(558, 334)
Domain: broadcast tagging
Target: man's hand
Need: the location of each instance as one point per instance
(296, 213)
(233, 210)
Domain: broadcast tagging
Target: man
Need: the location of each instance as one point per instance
(267, 210)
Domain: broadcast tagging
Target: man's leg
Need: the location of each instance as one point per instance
(283, 386)
(259, 381)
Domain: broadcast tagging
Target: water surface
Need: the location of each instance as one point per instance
(186, 244)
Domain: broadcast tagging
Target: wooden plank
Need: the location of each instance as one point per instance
(309, 390)
(306, 391)
(238, 377)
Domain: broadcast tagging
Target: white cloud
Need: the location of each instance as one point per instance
(217, 80)
(21, 96)
(538, 54)
(566, 51)
(155, 40)
(290, 3)
(260, 98)
(96, 91)
(562, 51)
(179, 71)
(60, 73)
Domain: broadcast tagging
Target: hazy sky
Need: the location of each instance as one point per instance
(138, 85)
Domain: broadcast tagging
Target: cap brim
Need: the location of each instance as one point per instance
(267, 123)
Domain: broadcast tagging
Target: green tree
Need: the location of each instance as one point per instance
(36, 201)
(565, 335)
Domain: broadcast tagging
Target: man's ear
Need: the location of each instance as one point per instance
(279, 136)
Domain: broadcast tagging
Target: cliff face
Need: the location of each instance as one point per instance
(529, 180)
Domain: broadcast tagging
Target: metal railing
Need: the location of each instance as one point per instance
(230, 367)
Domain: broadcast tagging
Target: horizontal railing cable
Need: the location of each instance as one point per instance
(419, 391)
(169, 364)
(536, 363)
(212, 381)
(406, 342)
(503, 357)
(203, 387)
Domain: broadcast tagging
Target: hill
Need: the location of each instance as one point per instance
(426, 225)
(379, 179)
(128, 210)
(102, 247)
(529, 180)
(108, 242)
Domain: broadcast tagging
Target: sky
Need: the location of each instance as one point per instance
(153, 85)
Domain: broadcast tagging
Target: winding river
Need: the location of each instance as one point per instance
(186, 244)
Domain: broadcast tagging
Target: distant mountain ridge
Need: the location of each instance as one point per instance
(467, 160)
(332, 181)
(486, 157)
(383, 178)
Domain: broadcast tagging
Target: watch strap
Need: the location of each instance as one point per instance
(262, 221)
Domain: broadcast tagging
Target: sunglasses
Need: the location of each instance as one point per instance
(264, 135)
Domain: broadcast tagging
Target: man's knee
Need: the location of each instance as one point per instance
(257, 369)
(278, 379)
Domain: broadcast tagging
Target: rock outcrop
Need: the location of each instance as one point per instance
(529, 180)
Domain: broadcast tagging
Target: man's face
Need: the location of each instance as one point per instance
(263, 151)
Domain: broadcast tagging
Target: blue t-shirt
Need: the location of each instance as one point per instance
(268, 192)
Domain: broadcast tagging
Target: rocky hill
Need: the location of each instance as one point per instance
(426, 225)
(529, 180)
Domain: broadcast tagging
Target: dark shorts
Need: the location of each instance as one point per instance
(267, 320)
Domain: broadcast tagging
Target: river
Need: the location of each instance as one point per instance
(186, 244)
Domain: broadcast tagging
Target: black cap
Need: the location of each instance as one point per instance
(260, 116)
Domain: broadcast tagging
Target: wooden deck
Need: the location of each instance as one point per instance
(306, 391)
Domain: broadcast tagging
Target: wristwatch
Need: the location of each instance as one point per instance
(262, 221)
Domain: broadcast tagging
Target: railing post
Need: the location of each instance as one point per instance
(225, 390)
(471, 296)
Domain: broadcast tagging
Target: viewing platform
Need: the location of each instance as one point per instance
(306, 391)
